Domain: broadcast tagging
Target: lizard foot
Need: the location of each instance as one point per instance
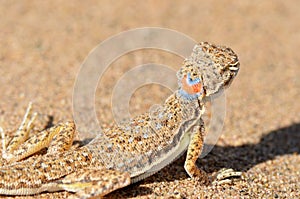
(225, 176)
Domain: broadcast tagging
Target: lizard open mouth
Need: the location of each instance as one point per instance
(191, 86)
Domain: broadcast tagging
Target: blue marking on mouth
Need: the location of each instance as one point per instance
(187, 96)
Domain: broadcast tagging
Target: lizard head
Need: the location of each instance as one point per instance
(209, 69)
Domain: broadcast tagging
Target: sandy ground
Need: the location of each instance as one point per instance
(43, 43)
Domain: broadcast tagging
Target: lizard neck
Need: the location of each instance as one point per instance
(191, 106)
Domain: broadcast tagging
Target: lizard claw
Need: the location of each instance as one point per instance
(225, 176)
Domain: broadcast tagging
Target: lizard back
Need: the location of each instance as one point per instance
(143, 142)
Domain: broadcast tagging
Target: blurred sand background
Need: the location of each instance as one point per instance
(43, 43)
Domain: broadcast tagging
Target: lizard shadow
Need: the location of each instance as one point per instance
(49, 122)
(278, 142)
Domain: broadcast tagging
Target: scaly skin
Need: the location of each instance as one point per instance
(128, 152)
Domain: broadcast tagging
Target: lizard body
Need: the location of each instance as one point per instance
(128, 152)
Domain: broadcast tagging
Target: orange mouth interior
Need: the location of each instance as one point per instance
(190, 89)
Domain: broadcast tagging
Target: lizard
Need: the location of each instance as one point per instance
(125, 153)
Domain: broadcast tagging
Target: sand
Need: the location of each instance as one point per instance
(43, 44)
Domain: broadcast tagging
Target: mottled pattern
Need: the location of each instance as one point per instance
(126, 152)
